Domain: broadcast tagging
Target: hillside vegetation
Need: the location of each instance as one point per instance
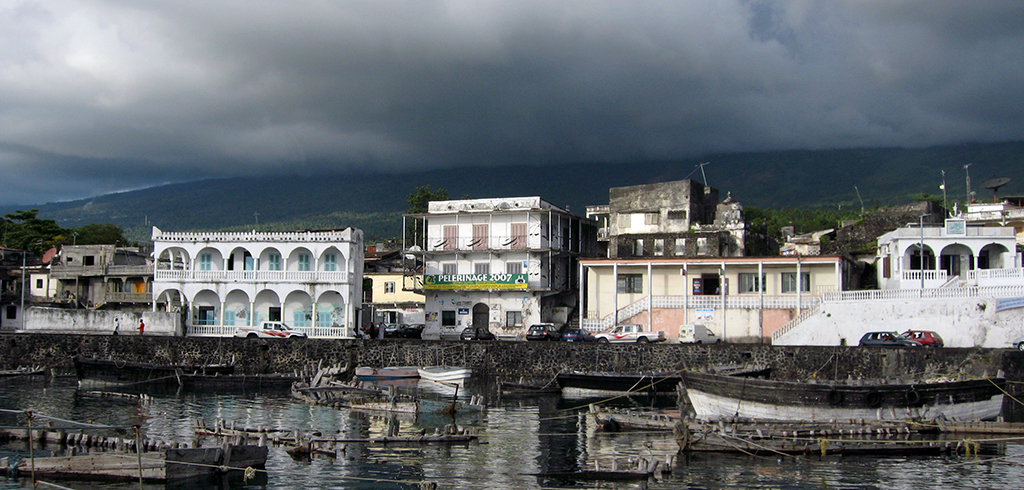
(827, 179)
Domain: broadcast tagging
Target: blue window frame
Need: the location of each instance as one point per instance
(330, 262)
(304, 261)
(324, 317)
(274, 262)
(205, 262)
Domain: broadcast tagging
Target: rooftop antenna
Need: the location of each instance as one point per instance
(859, 199)
(968, 174)
(995, 184)
(704, 176)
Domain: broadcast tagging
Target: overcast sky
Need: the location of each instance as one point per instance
(105, 96)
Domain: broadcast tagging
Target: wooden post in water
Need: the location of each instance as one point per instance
(31, 452)
(138, 451)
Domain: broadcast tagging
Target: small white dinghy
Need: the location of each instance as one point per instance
(446, 374)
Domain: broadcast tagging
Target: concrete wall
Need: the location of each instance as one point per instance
(967, 322)
(100, 322)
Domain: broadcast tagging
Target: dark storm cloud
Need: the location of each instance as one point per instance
(100, 96)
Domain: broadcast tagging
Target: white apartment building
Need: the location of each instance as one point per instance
(500, 263)
(311, 280)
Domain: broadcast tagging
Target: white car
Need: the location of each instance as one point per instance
(269, 330)
(1018, 343)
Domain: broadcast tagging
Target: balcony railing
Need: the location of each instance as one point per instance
(65, 272)
(498, 242)
(339, 277)
(229, 331)
(119, 297)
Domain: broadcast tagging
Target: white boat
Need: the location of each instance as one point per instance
(715, 397)
(448, 374)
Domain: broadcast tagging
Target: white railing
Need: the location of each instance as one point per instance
(252, 276)
(676, 302)
(331, 332)
(983, 274)
(943, 293)
(929, 275)
(796, 321)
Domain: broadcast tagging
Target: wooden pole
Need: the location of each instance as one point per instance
(138, 451)
(31, 451)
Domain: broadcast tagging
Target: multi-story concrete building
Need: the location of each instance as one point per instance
(671, 219)
(502, 263)
(386, 299)
(311, 280)
(741, 299)
(102, 276)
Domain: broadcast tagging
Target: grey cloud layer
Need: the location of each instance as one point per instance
(99, 96)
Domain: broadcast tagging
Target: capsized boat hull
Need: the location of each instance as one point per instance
(445, 373)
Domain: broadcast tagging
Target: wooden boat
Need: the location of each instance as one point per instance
(169, 465)
(650, 383)
(715, 397)
(22, 371)
(525, 389)
(366, 373)
(615, 421)
(449, 374)
(420, 406)
(103, 374)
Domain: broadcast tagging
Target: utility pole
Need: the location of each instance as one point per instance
(256, 216)
(968, 174)
(943, 187)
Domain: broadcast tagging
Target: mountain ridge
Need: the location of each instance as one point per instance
(375, 202)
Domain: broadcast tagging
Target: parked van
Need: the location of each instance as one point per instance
(697, 334)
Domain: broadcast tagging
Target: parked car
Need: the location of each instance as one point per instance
(412, 330)
(393, 330)
(543, 331)
(269, 330)
(1018, 343)
(924, 337)
(630, 332)
(476, 333)
(578, 335)
(886, 339)
(451, 333)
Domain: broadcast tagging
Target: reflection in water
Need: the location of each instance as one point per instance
(521, 438)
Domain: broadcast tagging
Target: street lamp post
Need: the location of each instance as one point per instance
(921, 250)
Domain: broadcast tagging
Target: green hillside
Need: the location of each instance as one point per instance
(375, 202)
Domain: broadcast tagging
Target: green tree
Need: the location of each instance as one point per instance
(419, 200)
(24, 231)
(96, 234)
(419, 203)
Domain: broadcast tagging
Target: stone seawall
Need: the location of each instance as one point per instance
(505, 359)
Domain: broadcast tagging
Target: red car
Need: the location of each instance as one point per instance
(924, 337)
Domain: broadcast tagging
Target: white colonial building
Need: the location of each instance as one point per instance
(916, 257)
(501, 263)
(311, 280)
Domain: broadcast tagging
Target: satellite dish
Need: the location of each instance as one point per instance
(995, 184)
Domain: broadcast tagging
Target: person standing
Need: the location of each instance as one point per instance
(117, 326)
(142, 326)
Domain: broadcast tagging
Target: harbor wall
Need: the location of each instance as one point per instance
(506, 358)
(962, 322)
